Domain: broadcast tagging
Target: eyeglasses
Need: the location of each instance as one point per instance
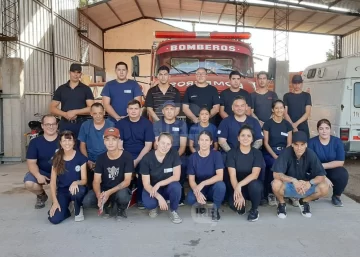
(48, 125)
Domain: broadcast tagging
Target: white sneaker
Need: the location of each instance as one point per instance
(294, 202)
(153, 213)
(272, 200)
(80, 217)
(175, 218)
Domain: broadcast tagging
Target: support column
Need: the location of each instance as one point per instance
(240, 11)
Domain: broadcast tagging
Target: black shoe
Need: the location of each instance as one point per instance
(200, 210)
(215, 215)
(253, 215)
(281, 210)
(121, 214)
(304, 208)
(40, 200)
(336, 201)
(107, 210)
(263, 202)
(241, 211)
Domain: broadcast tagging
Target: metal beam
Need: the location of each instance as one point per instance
(90, 41)
(138, 6)
(334, 3)
(201, 9)
(113, 11)
(263, 17)
(127, 22)
(145, 51)
(303, 21)
(222, 12)
(162, 17)
(324, 22)
(342, 25)
(90, 19)
(7, 39)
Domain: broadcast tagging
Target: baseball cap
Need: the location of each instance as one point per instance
(299, 136)
(75, 67)
(297, 79)
(112, 132)
(169, 102)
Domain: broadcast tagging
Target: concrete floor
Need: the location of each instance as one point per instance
(25, 231)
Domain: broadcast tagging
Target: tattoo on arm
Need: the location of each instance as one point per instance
(285, 178)
(258, 143)
(225, 146)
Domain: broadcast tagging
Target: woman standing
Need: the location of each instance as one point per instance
(206, 170)
(68, 180)
(331, 153)
(277, 136)
(244, 164)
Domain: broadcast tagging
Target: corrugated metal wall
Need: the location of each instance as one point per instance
(351, 45)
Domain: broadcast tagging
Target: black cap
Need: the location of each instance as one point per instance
(297, 79)
(169, 102)
(75, 67)
(299, 136)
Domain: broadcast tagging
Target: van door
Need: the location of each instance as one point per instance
(354, 135)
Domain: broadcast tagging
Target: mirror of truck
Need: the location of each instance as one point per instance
(272, 68)
(135, 66)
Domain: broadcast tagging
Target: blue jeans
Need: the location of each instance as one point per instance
(290, 191)
(170, 192)
(214, 193)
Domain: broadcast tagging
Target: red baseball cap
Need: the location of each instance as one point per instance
(112, 132)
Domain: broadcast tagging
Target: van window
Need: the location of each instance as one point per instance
(357, 95)
(311, 73)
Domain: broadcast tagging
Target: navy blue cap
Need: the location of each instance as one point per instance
(75, 67)
(296, 79)
(169, 102)
(299, 136)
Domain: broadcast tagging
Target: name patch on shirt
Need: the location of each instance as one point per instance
(193, 96)
(284, 134)
(168, 170)
(219, 132)
(127, 91)
(175, 129)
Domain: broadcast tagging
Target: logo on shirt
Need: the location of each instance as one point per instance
(175, 129)
(127, 91)
(77, 168)
(113, 172)
(284, 134)
(219, 132)
(193, 96)
(168, 170)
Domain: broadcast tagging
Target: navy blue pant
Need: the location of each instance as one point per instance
(214, 193)
(269, 175)
(139, 184)
(339, 177)
(184, 161)
(170, 192)
(252, 191)
(64, 198)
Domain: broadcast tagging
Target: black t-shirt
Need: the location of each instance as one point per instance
(72, 99)
(227, 97)
(262, 103)
(306, 168)
(278, 132)
(200, 97)
(296, 104)
(113, 171)
(243, 163)
(158, 171)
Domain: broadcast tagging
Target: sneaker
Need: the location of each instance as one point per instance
(40, 200)
(121, 214)
(106, 214)
(80, 216)
(305, 209)
(253, 215)
(294, 202)
(336, 201)
(281, 210)
(272, 200)
(153, 213)
(241, 211)
(200, 210)
(181, 203)
(263, 202)
(140, 206)
(175, 218)
(215, 215)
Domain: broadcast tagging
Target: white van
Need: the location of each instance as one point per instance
(335, 92)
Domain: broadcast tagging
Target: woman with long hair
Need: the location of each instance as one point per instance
(206, 170)
(331, 153)
(244, 164)
(68, 180)
(277, 136)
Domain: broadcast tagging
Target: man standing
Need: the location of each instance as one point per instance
(298, 106)
(75, 99)
(112, 178)
(178, 130)
(198, 96)
(39, 154)
(298, 173)
(158, 95)
(91, 137)
(118, 92)
(227, 96)
(262, 99)
(137, 135)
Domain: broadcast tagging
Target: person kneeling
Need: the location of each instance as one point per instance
(113, 171)
(68, 180)
(206, 170)
(160, 170)
(298, 173)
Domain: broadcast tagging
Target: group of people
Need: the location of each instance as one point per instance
(260, 151)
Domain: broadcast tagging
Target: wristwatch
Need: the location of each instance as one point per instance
(312, 182)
